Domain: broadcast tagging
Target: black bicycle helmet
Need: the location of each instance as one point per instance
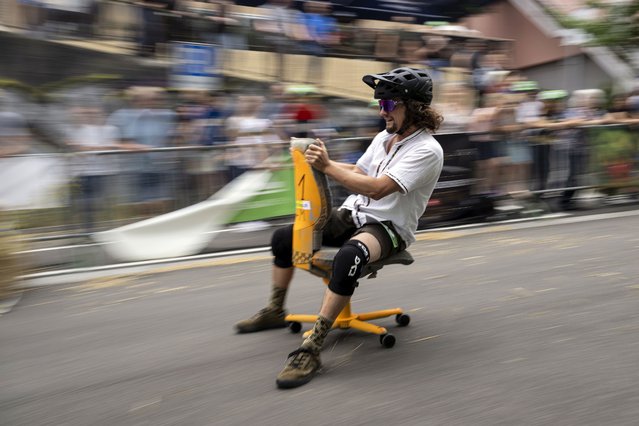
(402, 83)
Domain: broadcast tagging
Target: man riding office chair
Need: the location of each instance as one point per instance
(391, 185)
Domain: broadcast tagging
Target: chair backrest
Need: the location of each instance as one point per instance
(313, 205)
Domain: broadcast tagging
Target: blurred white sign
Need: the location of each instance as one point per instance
(33, 182)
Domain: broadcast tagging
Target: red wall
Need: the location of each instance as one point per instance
(531, 46)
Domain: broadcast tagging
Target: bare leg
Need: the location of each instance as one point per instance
(332, 305)
(282, 277)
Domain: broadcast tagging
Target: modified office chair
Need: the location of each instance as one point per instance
(312, 208)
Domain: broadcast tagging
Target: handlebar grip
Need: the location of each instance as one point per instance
(301, 144)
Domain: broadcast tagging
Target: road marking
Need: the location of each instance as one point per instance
(124, 300)
(144, 404)
(425, 338)
(510, 361)
(473, 258)
(563, 340)
(166, 290)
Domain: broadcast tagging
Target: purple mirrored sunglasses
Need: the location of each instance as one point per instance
(388, 105)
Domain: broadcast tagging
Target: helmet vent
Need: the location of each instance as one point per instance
(402, 82)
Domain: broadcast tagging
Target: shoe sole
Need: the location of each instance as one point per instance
(289, 384)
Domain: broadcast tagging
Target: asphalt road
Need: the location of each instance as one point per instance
(529, 324)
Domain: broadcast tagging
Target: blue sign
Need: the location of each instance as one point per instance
(195, 66)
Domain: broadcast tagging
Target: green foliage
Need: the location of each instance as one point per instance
(617, 27)
(613, 146)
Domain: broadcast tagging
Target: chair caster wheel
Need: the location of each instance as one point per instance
(295, 326)
(402, 320)
(387, 340)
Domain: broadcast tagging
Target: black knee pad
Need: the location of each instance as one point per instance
(347, 267)
(282, 246)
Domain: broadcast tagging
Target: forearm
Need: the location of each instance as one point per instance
(350, 177)
(347, 166)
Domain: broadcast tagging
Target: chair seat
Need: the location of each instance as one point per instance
(323, 262)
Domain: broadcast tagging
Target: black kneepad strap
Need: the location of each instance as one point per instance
(347, 267)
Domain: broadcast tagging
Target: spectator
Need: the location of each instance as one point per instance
(586, 107)
(548, 145)
(212, 119)
(89, 132)
(529, 111)
(619, 108)
(188, 133)
(303, 110)
(148, 124)
(204, 21)
(456, 104)
(530, 108)
(282, 29)
(321, 26)
(517, 158)
(436, 51)
(246, 128)
(201, 123)
(483, 125)
(323, 35)
(274, 109)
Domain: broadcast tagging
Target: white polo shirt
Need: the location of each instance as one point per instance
(415, 163)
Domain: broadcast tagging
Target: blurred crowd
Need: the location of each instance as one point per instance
(176, 148)
(528, 139)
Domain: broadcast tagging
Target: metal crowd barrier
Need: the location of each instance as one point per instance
(83, 192)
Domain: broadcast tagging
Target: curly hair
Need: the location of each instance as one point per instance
(422, 115)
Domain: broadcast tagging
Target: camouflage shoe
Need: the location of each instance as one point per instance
(265, 319)
(301, 366)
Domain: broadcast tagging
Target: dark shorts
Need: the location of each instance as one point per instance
(487, 149)
(340, 228)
